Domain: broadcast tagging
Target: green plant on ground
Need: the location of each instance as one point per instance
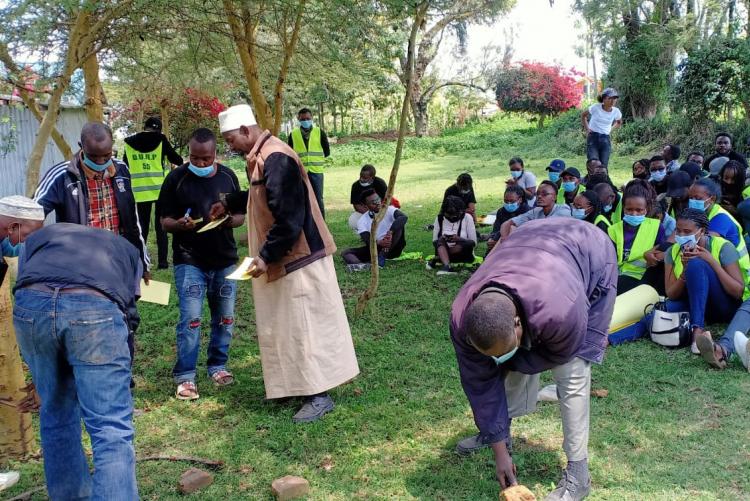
(670, 429)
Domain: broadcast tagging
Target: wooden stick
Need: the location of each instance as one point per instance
(25, 496)
(209, 463)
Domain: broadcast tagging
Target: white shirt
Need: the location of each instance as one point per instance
(468, 230)
(526, 181)
(601, 121)
(365, 222)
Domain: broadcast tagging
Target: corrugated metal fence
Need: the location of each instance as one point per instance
(18, 129)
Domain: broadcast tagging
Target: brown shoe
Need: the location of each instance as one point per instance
(708, 350)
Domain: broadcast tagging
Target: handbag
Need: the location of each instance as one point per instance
(670, 329)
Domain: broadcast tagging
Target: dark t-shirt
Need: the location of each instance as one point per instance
(183, 190)
(453, 191)
(732, 155)
(377, 184)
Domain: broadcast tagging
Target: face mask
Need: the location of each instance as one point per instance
(515, 174)
(633, 220)
(512, 207)
(658, 175)
(579, 213)
(95, 166)
(201, 171)
(506, 357)
(696, 204)
(8, 249)
(365, 183)
(569, 186)
(453, 219)
(690, 240)
(607, 208)
(305, 124)
(464, 192)
(554, 176)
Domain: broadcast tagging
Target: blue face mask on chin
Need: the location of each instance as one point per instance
(694, 203)
(607, 208)
(511, 207)
(504, 358)
(686, 240)
(554, 176)
(633, 220)
(95, 166)
(201, 171)
(306, 124)
(578, 213)
(8, 249)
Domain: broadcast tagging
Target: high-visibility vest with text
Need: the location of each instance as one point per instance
(645, 239)
(311, 156)
(146, 173)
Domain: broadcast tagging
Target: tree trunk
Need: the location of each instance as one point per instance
(16, 433)
(321, 116)
(372, 289)
(593, 64)
(94, 92)
(540, 121)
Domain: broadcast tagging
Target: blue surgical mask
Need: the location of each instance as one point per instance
(511, 207)
(658, 175)
(95, 166)
(201, 171)
(687, 239)
(8, 249)
(506, 357)
(569, 186)
(697, 204)
(305, 124)
(607, 208)
(515, 174)
(578, 213)
(554, 176)
(633, 220)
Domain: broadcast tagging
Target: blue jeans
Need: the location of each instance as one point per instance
(76, 348)
(706, 299)
(316, 181)
(743, 208)
(193, 284)
(740, 322)
(598, 146)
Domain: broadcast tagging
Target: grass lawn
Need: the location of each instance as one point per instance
(671, 428)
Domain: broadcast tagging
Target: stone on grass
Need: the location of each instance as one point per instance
(517, 493)
(289, 487)
(194, 479)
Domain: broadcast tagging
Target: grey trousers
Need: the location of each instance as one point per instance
(573, 382)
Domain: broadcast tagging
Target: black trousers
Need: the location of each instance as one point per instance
(654, 277)
(162, 242)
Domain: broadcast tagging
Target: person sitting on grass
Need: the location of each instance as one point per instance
(593, 168)
(671, 154)
(677, 192)
(391, 236)
(587, 207)
(523, 178)
(694, 170)
(464, 189)
(637, 238)
(732, 181)
(705, 275)
(367, 179)
(514, 204)
(641, 169)
(705, 195)
(696, 157)
(454, 236)
(571, 186)
(545, 207)
(611, 202)
(659, 174)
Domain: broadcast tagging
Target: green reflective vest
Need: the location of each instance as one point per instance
(602, 219)
(617, 211)
(716, 244)
(717, 209)
(146, 173)
(561, 194)
(746, 193)
(311, 156)
(645, 240)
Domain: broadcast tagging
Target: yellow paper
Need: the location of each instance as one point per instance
(155, 292)
(198, 221)
(213, 224)
(243, 270)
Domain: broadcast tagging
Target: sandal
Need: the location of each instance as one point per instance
(222, 378)
(707, 349)
(186, 391)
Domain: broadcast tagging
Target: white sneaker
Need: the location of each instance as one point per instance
(547, 394)
(742, 348)
(694, 349)
(8, 479)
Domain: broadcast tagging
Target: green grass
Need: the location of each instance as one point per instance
(671, 428)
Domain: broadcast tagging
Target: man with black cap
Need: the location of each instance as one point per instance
(571, 186)
(148, 155)
(677, 192)
(694, 170)
(555, 169)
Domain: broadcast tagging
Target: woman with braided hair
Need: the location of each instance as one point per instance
(587, 207)
(704, 275)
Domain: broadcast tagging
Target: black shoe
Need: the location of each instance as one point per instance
(314, 408)
(163, 266)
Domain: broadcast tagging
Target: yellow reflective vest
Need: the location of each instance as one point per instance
(146, 173)
(716, 210)
(645, 240)
(561, 193)
(716, 244)
(311, 156)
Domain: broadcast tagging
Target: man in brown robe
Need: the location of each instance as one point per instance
(305, 343)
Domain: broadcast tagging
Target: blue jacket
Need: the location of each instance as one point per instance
(63, 190)
(562, 275)
(72, 255)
